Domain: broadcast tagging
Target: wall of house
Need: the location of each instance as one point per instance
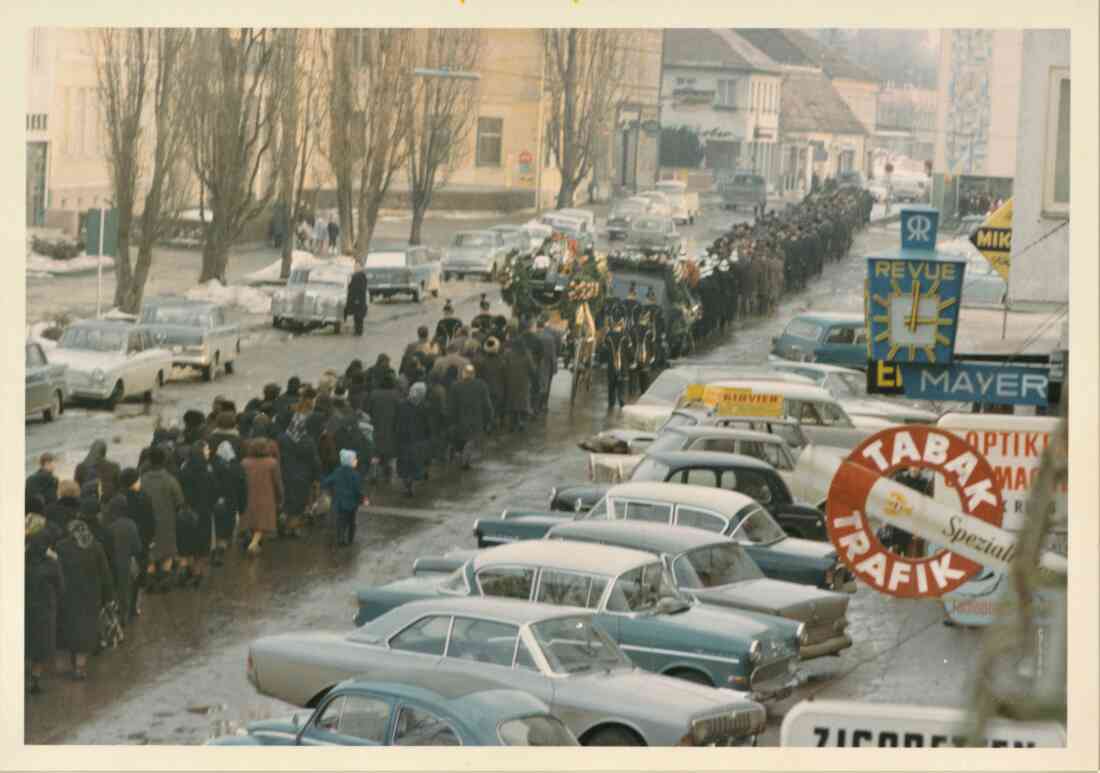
(862, 98)
(1038, 274)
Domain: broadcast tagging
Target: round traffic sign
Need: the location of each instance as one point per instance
(958, 465)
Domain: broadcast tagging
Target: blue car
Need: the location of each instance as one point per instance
(834, 338)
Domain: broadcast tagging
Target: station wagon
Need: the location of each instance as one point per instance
(830, 337)
(414, 271)
(198, 333)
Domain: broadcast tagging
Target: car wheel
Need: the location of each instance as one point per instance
(231, 364)
(336, 327)
(613, 736)
(116, 395)
(55, 408)
(691, 676)
(416, 296)
(446, 277)
(277, 322)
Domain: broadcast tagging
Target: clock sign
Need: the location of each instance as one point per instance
(912, 308)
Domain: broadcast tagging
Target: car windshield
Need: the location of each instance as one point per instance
(713, 566)
(646, 589)
(758, 527)
(455, 582)
(472, 240)
(846, 385)
(573, 645)
(800, 328)
(175, 315)
(386, 260)
(650, 470)
(92, 339)
(537, 730)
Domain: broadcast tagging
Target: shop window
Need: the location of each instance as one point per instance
(1056, 163)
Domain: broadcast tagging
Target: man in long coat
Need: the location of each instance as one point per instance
(356, 304)
(383, 415)
(166, 496)
(517, 383)
(551, 349)
(472, 409)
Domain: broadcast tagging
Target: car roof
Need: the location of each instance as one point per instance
(474, 231)
(640, 535)
(508, 610)
(429, 682)
(828, 317)
(723, 500)
(176, 300)
(597, 559)
(706, 430)
(506, 227)
(820, 367)
(105, 324)
(678, 459)
(787, 389)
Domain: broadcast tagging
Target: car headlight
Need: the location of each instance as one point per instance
(99, 375)
(803, 635)
(754, 651)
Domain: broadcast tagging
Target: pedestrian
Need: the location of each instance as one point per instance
(199, 484)
(284, 403)
(126, 552)
(439, 418)
(333, 234)
(383, 414)
(376, 373)
(166, 498)
(551, 350)
(356, 304)
(413, 437)
(303, 234)
(472, 409)
(44, 587)
(518, 366)
(88, 588)
(301, 470)
(264, 493)
(43, 481)
(490, 369)
(88, 469)
(346, 487)
(66, 507)
(320, 235)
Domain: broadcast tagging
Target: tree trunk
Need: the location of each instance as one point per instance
(215, 255)
(288, 243)
(419, 205)
(131, 301)
(344, 203)
(123, 275)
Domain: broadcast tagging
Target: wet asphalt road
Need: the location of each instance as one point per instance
(182, 666)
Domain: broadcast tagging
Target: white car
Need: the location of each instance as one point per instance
(658, 203)
(849, 387)
(685, 206)
(111, 360)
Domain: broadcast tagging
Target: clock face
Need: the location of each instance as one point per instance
(912, 309)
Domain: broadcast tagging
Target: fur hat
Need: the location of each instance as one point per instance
(492, 345)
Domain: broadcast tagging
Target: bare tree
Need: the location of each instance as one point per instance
(300, 115)
(138, 72)
(443, 111)
(369, 73)
(230, 132)
(586, 72)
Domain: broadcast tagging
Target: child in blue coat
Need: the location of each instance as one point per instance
(346, 487)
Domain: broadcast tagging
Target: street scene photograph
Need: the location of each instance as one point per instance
(578, 386)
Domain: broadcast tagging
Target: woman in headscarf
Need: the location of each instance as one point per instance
(265, 492)
(88, 469)
(200, 491)
(413, 436)
(88, 588)
(140, 510)
(67, 505)
(232, 494)
(126, 549)
(44, 584)
(301, 470)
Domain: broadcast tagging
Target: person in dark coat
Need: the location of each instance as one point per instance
(139, 509)
(90, 513)
(199, 484)
(166, 497)
(301, 470)
(356, 304)
(44, 585)
(43, 481)
(232, 493)
(127, 549)
(439, 418)
(318, 417)
(376, 373)
(413, 437)
(284, 404)
(551, 349)
(333, 234)
(517, 384)
(67, 505)
(88, 587)
(383, 415)
(472, 409)
(88, 469)
(490, 369)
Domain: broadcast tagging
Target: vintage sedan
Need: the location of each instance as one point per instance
(197, 333)
(559, 656)
(111, 360)
(622, 214)
(515, 238)
(46, 383)
(635, 601)
(650, 232)
(475, 252)
(416, 707)
(313, 297)
(718, 572)
(414, 271)
(849, 387)
(729, 513)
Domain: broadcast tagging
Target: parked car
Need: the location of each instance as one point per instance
(744, 189)
(835, 338)
(47, 389)
(729, 513)
(515, 238)
(559, 656)
(634, 600)
(684, 205)
(849, 387)
(475, 252)
(197, 332)
(414, 708)
(579, 229)
(659, 205)
(414, 271)
(587, 215)
(313, 297)
(718, 572)
(622, 214)
(111, 360)
(909, 189)
(649, 232)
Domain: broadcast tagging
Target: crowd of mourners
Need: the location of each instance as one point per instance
(290, 458)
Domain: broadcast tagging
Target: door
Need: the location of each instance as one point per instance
(136, 377)
(38, 379)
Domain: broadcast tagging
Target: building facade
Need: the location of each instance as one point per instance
(1039, 273)
(906, 122)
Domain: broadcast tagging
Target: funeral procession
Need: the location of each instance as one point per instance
(503, 386)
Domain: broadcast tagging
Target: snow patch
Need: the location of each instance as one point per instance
(299, 259)
(960, 247)
(43, 265)
(250, 299)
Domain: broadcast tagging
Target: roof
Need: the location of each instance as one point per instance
(803, 391)
(707, 458)
(105, 323)
(385, 260)
(819, 367)
(797, 49)
(713, 48)
(775, 44)
(704, 430)
(728, 502)
(639, 535)
(808, 102)
(597, 559)
(508, 610)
